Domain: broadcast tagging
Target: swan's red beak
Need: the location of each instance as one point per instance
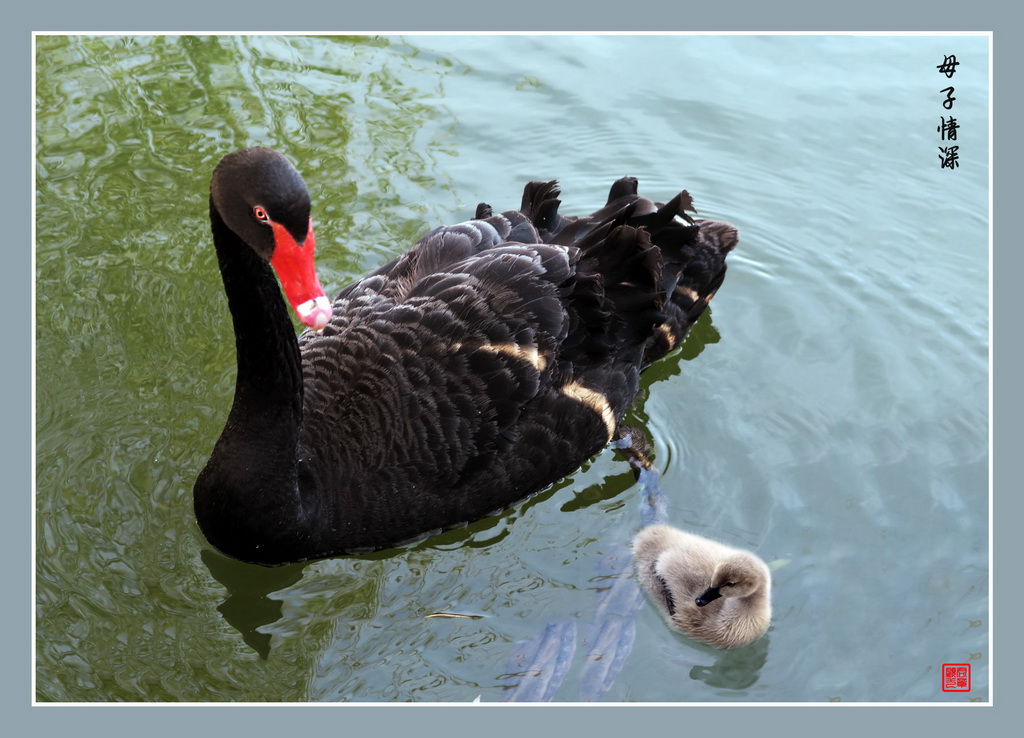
(294, 265)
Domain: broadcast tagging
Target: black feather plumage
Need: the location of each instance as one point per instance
(490, 360)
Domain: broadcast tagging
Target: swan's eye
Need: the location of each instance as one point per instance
(261, 214)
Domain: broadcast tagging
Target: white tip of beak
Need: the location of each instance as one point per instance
(315, 313)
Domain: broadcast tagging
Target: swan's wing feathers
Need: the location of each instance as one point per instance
(497, 355)
(625, 187)
(615, 301)
(441, 375)
(694, 267)
(690, 258)
(439, 250)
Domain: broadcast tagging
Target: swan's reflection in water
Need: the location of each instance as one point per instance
(248, 605)
(541, 663)
(608, 637)
(538, 666)
(734, 670)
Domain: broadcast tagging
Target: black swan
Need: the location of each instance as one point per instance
(489, 361)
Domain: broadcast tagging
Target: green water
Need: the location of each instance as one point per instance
(829, 412)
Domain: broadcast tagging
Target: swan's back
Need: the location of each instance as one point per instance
(485, 364)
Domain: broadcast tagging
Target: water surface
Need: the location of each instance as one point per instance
(829, 412)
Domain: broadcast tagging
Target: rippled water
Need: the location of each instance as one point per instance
(830, 412)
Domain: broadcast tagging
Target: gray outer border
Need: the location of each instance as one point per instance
(528, 15)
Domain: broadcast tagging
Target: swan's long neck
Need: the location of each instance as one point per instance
(247, 497)
(269, 364)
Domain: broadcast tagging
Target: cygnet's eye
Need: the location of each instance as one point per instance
(260, 214)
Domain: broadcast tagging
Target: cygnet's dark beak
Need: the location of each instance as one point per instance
(710, 595)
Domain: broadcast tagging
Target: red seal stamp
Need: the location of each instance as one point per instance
(956, 677)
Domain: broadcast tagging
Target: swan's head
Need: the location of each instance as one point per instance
(261, 197)
(740, 575)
